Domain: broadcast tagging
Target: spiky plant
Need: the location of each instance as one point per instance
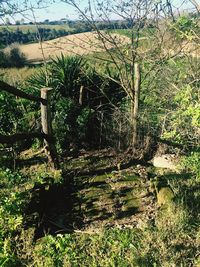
(67, 74)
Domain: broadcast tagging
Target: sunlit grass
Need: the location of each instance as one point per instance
(16, 76)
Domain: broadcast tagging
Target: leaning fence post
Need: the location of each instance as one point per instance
(47, 127)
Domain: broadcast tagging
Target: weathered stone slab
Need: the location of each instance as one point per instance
(168, 161)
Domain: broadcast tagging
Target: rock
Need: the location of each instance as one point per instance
(165, 161)
(165, 196)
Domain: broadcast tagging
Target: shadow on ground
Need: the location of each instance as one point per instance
(88, 197)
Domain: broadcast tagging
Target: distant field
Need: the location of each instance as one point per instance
(77, 44)
(32, 28)
(129, 32)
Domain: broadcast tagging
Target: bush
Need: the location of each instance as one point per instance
(16, 57)
(12, 204)
(185, 28)
(12, 57)
(3, 59)
(192, 163)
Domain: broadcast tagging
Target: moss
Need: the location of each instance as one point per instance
(77, 163)
(131, 203)
(165, 196)
(99, 178)
(130, 177)
(94, 192)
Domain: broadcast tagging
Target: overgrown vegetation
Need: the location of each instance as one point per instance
(12, 57)
(170, 238)
(107, 205)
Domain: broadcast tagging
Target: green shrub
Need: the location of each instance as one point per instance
(8, 106)
(16, 57)
(12, 57)
(12, 205)
(192, 163)
(3, 59)
(185, 28)
(107, 248)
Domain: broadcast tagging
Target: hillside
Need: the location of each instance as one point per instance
(79, 44)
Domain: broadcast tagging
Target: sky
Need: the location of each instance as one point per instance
(54, 11)
(59, 10)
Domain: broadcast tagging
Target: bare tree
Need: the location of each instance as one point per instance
(147, 41)
(11, 8)
(196, 5)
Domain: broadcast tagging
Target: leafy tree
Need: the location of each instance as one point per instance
(12, 57)
(16, 57)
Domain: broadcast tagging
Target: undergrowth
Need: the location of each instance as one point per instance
(171, 239)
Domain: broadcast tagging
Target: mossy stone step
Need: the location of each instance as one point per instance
(165, 196)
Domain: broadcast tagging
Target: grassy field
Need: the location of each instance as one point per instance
(89, 44)
(77, 44)
(129, 32)
(16, 76)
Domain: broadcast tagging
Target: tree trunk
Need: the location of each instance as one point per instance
(135, 103)
(47, 128)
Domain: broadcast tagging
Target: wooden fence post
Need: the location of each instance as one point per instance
(47, 127)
